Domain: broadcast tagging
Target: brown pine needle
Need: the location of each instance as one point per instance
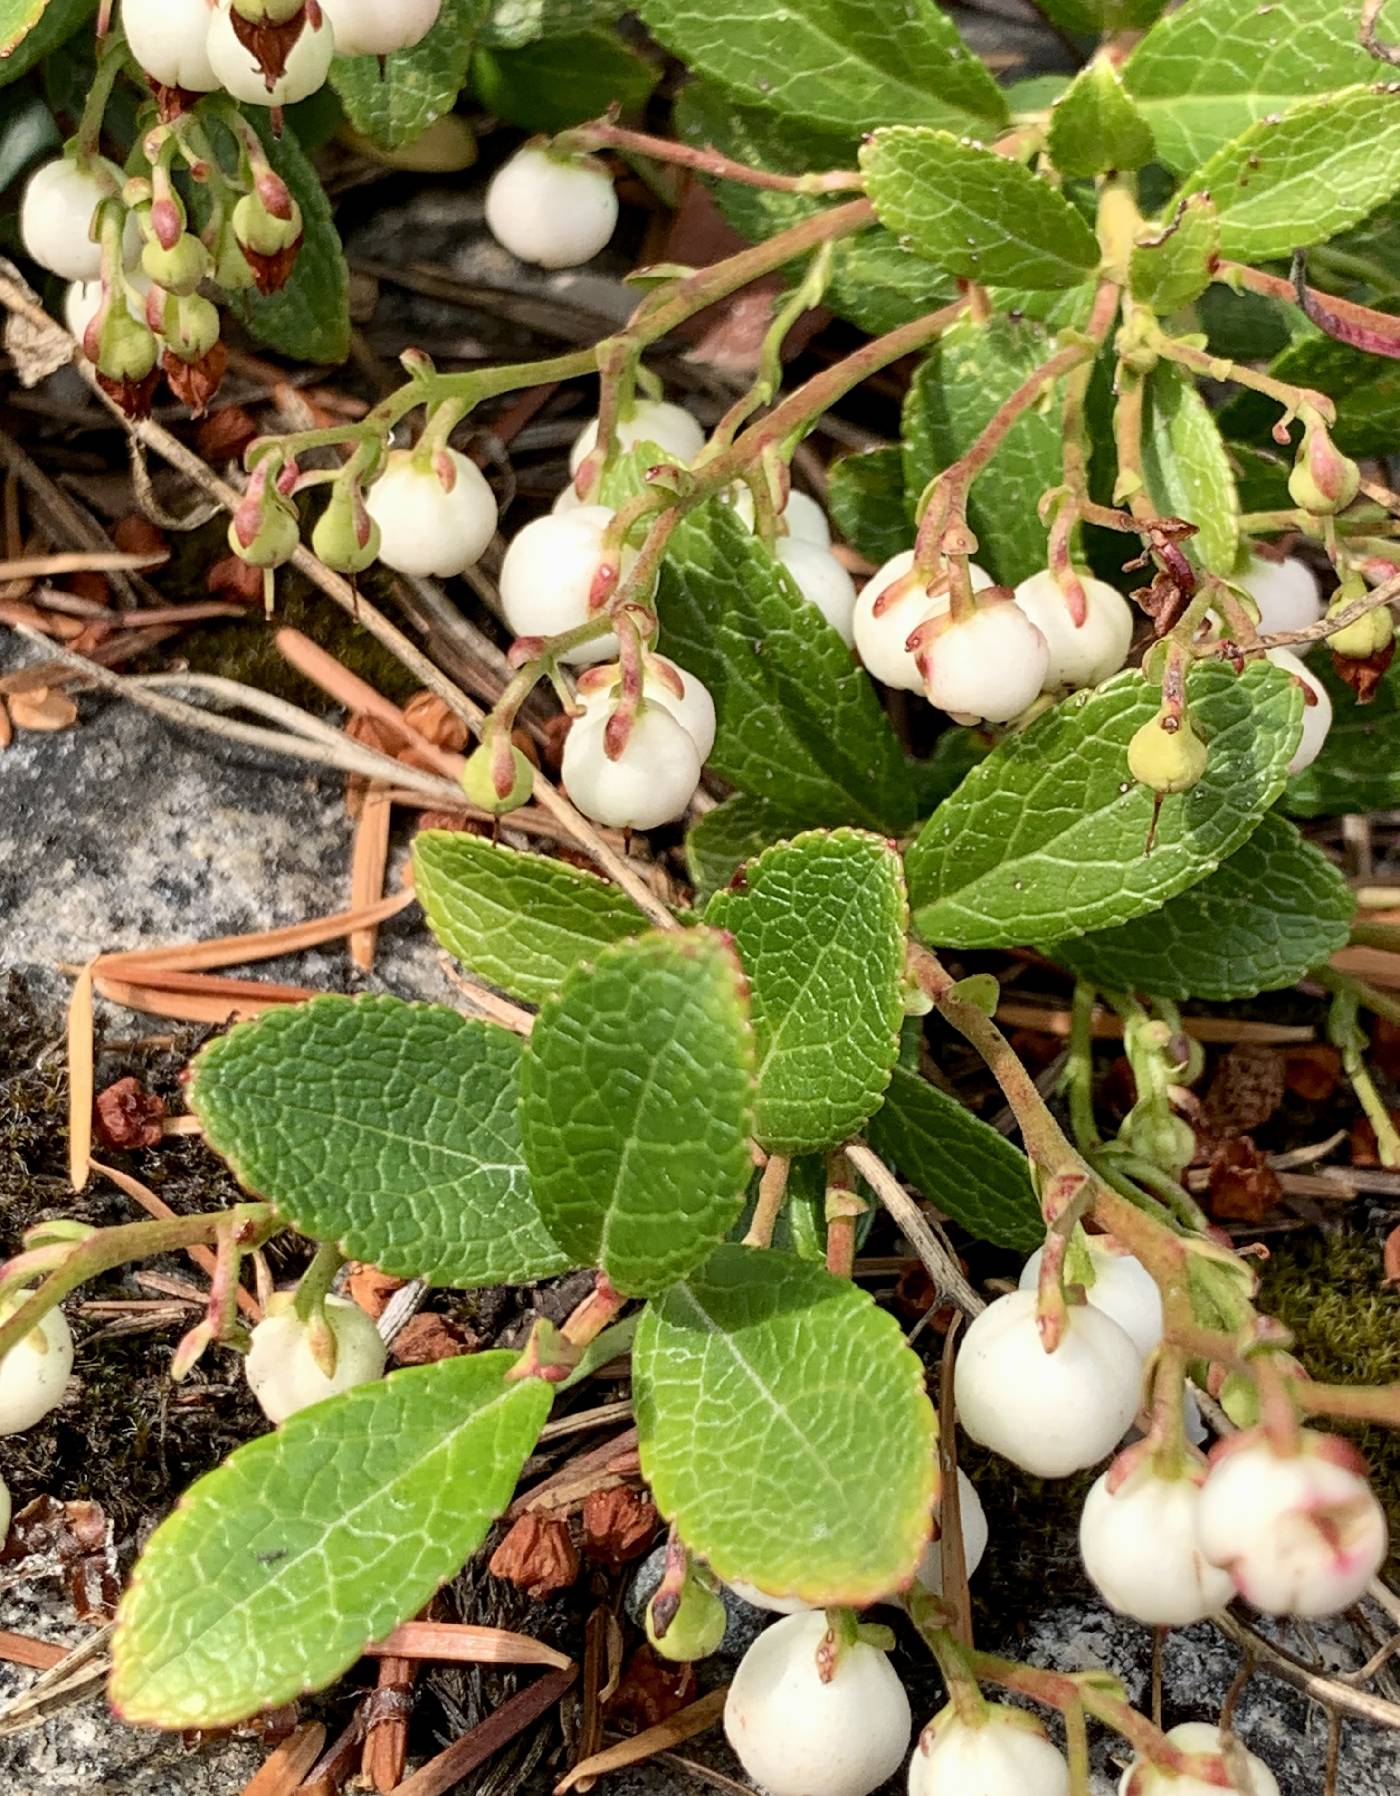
(281, 1774)
(1377, 966)
(260, 944)
(685, 1724)
(348, 689)
(216, 1001)
(22, 1649)
(368, 864)
(80, 1079)
(488, 1737)
(457, 1644)
(203, 1257)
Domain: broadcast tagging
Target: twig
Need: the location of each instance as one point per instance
(1290, 1670)
(155, 1206)
(75, 561)
(940, 1265)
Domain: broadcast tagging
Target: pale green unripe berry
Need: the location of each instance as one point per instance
(126, 347)
(1370, 634)
(696, 1628)
(1322, 479)
(180, 269)
(190, 325)
(275, 541)
(345, 536)
(1166, 760)
(281, 1370)
(478, 782)
(263, 231)
(268, 12)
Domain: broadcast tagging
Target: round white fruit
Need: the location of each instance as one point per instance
(805, 519)
(1299, 1534)
(880, 635)
(283, 1375)
(797, 1736)
(975, 1534)
(170, 40)
(1051, 1413)
(670, 427)
(1080, 654)
(1317, 709)
(550, 573)
(650, 783)
(1009, 1754)
(1286, 593)
(775, 1605)
(34, 1373)
(56, 219)
(1141, 1551)
(1201, 1738)
(823, 582)
(691, 706)
(236, 70)
(551, 211)
(425, 529)
(379, 27)
(1123, 1288)
(987, 668)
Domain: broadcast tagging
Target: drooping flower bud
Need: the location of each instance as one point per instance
(696, 1626)
(124, 351)
(479, 781)
(265, 530)
(1367, 635)
(1165, 759)
(180, 268)
(195, 357)
(346, 537)
(268, 229)
(1322, 480)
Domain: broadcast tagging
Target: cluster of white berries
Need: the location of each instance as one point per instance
(282, 1367)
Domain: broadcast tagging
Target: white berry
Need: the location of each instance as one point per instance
(775, 1605)
(83, 301)
(556, 212)
(670, 427)
(797, 1736)
(425, 528)
(1123, 1288)
(56, 219)
(805, 519)
(650, 783)
(1080, 654)
(1050, 1413)
(308, 62)
(1317, 711)
(1137, 1537)
(283, 1375)
(1300, 1534)
(1202, 1739)
(823, 582)
(1286, 593)
(881, 634)
(685, 697)
(975, 1535)
(170, 40)
(988, 667)
(379, 27)
(34, 1373)
(550, 574)
(1008, 1754)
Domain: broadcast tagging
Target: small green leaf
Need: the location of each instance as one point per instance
(513, 23)
(277, 1569)
(1359, 767)
(973, 212)
(958, 1162)
(820, 928)
(732, 833)
(1096, 127)
(1260, 478)
(1047, 838)
(1298, 178)
(1187, 470)
(30, 30)
(395, 102)
(865, 497)
(784, 1428)
(1171, 262)
(563, 81)
(520, 920)
(636, 1107)
(1276, 908)
(386, 1127)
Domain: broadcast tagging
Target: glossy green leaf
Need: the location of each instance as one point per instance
(1276, 908)
(959, 1163)
(799, 723)
(733, 832)
(30, 30)
(1092, 18)
(278, 1568)
(1170, 264)
(563, 81)
(1210, 68)
(1187, 469)
(636, 1107)
(513, 23)
(973, 212)
(1096, 126)
(865, 496)
(1261, 479)
(1047, 838)
(1359, 767)
(820, 927)
(784, 1428)
(386, 1127)
(397, 102)
(519, 920)
(841, 64)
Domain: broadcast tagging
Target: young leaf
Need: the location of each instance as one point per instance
(1208, 70)
(961, 1164)
(1171, 263)
(1296, 179)
(865, 496)
(519, 920)
(732, 833)
(562, 81)
(973, 212)
(1359, 767)
(636, 1107)
(30, 30)
(395, 102)
(1047, 837)
(1096, 126)
(799, 723)
(1187, 470)
(277, 1569)
(820, 928)
(386, 1127)
(784, 1428)
(838, 65)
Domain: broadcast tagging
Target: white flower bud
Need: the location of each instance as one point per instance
(1051, 1413)
(670, 427)
(425, 529)
(170, 40)
(1286, 593)
(975, 1535)
(1317, 710)
(550, 574)
(1008, 1754)
(685, 697)
(1202, 1739)
(823, 582)
(1138, 1540)
(379, 27)
(281, 1371)
(34, 1373)
(881, 634)
(1080, 654)
(650, 783)
(554, 211)
(987, 668)
(1123, 1288)
(56, 220)
(805, 519)
(775, 1605)
(797, 1736)
(237, 70)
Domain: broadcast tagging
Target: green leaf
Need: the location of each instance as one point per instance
(1096, 127)
(799, 723)
(1297, 179)
(1276, 908)
(732, 833)
(955, 754)
(961, 1164)
(519, 920)
(396, 102)
(1094, 18)
(386, 1127)
(1187, 470)
(973, 212)
(842, 64)
(784, 1428)
(954, 395)
(820, 928)
(1261, 478)
(1047, 838)
(1171, 263)
(563, 81)
(865, 496)
(1359, 767)
(30, 30)
(1208, 70)
(512, 23)
(636, 1107)
(277, 1569)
